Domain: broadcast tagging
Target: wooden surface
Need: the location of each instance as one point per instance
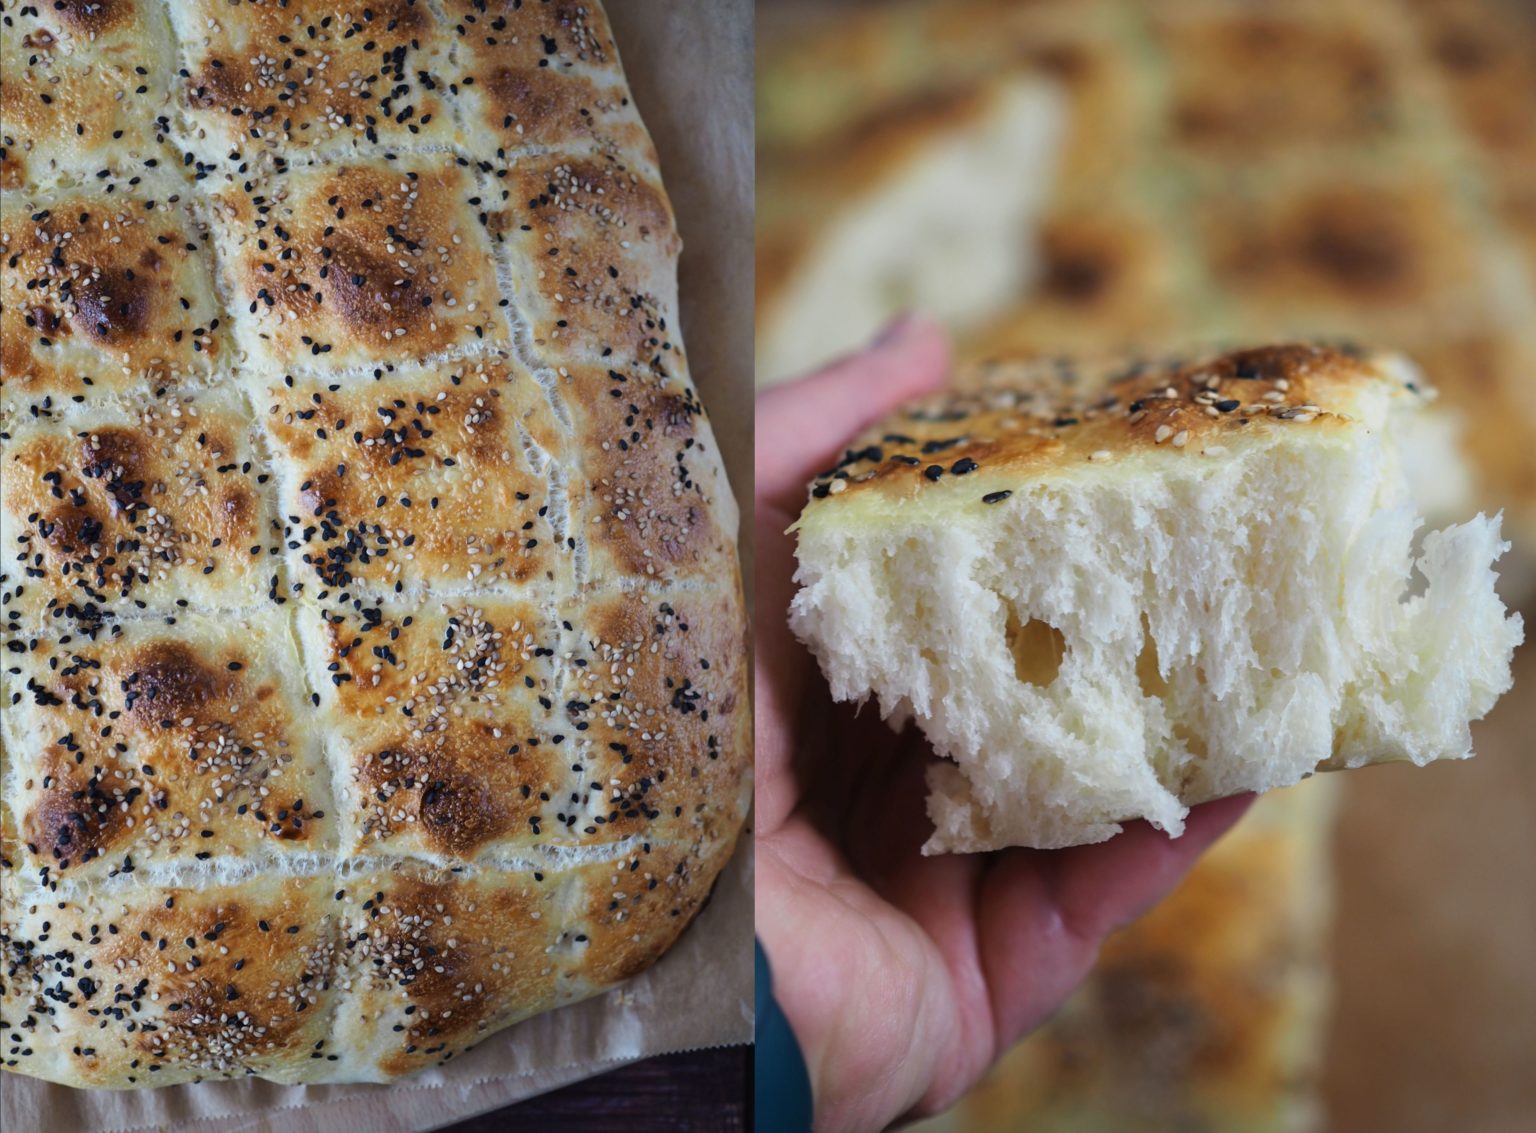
(703, 1091)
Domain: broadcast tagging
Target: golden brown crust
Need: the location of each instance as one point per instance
(1200, 1013)
(1517, 207)
(655, 696)
(594, 240)
(160, 740)
(433, 475)
(1026, 420)
(1333, 254)
(839, 113)
(1372, 139)
(359, 264)
(648, 502)
(443, 714)
(372, 678)
(434, 963)
(105, 293)
(639, 905)
(545, 78)
(86, 92)
(178, 983)
(1326, 81)
(395, 967)
(1104, 281)
(1484, 55)
(110, 510)
(288, 78)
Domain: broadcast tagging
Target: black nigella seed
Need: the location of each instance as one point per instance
(933, 471)
(996, 497)
(1228, 405)
(963, 465)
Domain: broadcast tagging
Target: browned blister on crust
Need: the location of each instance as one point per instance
(442, 716)
(594, 242)
(1333, 254)
(637, 906)
(449, 476)
(654, 698)
(109, 510)
(1328, 78)
(148, 742)
(105, 293)
(358, 264)
(434, 962)
(1106, 277)
(134, 987)
(545, 75)
(284, 78)
(649, 498)
(1485, 58)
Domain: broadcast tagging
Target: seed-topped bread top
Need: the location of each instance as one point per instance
(373, 665)
(1016, 422)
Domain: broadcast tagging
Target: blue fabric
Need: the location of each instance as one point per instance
(782, 1088)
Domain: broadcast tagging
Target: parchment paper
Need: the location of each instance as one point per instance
(690, 64)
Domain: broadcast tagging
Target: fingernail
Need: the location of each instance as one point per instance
(893, 330)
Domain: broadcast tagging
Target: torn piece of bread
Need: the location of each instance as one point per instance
(1112, 593)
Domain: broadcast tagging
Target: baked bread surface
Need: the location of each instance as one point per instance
(1113, 591)
(373, 669)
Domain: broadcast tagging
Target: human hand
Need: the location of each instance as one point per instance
(903, 977)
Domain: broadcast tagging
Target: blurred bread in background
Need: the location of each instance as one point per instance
(928, 204)
(1204, 1014)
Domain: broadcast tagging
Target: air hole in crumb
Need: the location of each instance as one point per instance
(1148, 671)
(1173, 772)
(1037, 649)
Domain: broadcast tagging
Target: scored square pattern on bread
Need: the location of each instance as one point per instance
(374, 665)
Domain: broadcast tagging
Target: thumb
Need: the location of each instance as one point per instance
(801, 427)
